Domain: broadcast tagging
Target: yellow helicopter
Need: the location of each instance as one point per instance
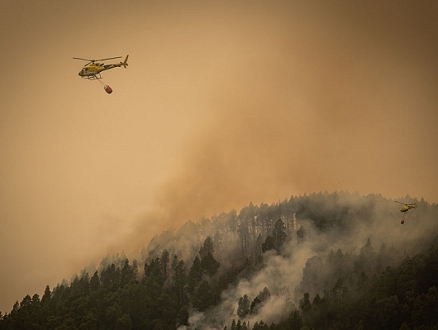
(407, 206)
(93, 68)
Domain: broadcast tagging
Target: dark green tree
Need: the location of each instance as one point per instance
(305, 304)
(243, 306)
(110, 277)
(128, 274)
(207, 248)
(180, 282)
(210, 265)
(202, 299)
(164, 262)
(153, 272)
(94, 282)
(47, 296)
(269, 244)
(195, 275)
(261, 297)
(260, 326)
(279, 234)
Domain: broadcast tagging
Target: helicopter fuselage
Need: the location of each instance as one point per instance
(92, 70)
(406, 208)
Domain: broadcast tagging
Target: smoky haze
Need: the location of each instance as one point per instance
(335, 97)
(303, 265)
(222, 104)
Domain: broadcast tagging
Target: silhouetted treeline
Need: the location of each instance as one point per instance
(118, 298)
(363, 271)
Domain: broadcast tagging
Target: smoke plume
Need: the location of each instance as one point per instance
(308, 97)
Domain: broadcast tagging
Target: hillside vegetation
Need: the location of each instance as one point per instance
(319, 261)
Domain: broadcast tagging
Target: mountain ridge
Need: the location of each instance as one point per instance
(259, 267)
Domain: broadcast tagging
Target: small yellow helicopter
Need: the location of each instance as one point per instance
(93, 68)
(405, 208)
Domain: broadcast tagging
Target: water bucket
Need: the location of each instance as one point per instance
(107, 89)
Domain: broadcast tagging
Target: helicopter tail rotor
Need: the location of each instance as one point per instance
(125, 63)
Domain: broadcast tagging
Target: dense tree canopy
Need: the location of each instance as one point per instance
(372, 286)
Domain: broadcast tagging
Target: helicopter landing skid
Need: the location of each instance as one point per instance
(94, 77)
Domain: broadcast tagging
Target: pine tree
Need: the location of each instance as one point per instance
(164, 262)
(269, 244)
(243, 306)
(279, 234)
(195, 275)
(202, 298)
(180, 282)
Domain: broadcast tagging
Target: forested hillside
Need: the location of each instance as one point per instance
(320, 261)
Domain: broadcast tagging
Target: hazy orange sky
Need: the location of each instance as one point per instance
(223, 103)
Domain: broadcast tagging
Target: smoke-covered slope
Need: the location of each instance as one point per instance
(313, 261)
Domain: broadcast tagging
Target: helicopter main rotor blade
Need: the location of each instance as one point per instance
(109, 58)
(83, 59)
(406, 203)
